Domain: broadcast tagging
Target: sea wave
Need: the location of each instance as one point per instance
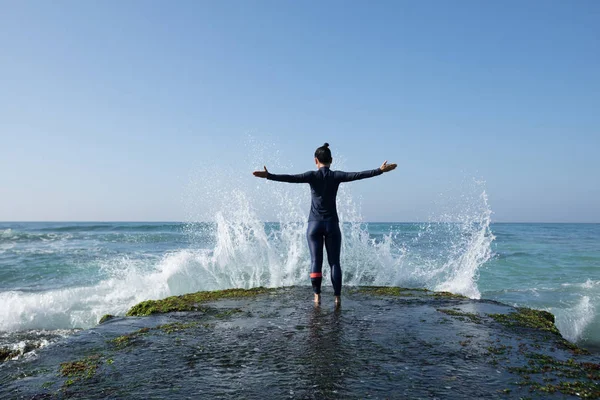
(588, 284)
(113, 226)
(12, 236)
(246, 252)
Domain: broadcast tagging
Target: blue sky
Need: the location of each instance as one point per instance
(107, 109)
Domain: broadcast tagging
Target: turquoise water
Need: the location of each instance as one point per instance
(555, 267)
(59, 277)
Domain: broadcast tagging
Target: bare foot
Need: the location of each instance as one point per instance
(317, 298)
(337, 301)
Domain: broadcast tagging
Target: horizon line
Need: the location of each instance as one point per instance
(195, 222)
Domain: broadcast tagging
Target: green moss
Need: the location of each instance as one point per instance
(122, 341)
(128, 339)
(105, 317)
(583, 376)
(582, 389)
(85, 368)
(48, 384)
(526, 317)
(388, 290)
(498, 350)
(176, 326)
(227, 313)
(191, 301)
(461, 315)
(448, 295)
(565, 344)
(398, 291)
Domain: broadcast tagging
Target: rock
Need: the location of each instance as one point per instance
(381, 343)
(106, 317)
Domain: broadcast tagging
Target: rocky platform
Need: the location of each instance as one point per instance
(382, 343)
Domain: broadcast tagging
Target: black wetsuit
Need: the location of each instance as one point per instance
(323, 222)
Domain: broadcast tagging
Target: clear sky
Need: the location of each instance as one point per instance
(108, 109)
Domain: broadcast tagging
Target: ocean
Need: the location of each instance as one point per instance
(57, 278)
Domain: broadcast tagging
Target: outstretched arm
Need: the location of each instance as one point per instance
(354, 176)
(299, 178)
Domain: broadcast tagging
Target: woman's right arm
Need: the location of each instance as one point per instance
(298, 178)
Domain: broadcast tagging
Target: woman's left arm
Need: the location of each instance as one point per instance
(354, 176)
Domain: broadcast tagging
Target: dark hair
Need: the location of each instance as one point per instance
(323, 154)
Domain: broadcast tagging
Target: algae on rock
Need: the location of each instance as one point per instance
(191, 301)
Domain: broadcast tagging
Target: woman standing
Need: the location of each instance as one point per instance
(323, 222)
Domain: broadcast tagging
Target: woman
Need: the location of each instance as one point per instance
(323, 222)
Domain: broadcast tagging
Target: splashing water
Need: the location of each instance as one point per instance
(234, 247)
(470, 248)
(444, 254)
(573, 321)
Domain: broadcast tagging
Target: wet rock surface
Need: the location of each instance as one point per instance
(381, 343)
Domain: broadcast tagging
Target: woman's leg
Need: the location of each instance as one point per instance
(333, 244)
(314, 235)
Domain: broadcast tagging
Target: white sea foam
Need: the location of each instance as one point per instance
(6, 233)
(5, 243)
(588, 284)
(26, 344)
(4, 247)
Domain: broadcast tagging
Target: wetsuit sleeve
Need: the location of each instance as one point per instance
(354, 176)
(298, 178)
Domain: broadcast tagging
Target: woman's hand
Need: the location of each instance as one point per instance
(261, 174)
(385, 167)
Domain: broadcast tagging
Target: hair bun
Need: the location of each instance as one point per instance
(326, 144)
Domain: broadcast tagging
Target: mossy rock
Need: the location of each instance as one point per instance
(581, 377)
(399, 291)
(176, 326)
(565, 344)
(85, 368)
(191, 301)
(448, 295)
(461, 315)
(386, 290)
(105, 317)
(6, 354)
(528, 318)
(128, 339)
